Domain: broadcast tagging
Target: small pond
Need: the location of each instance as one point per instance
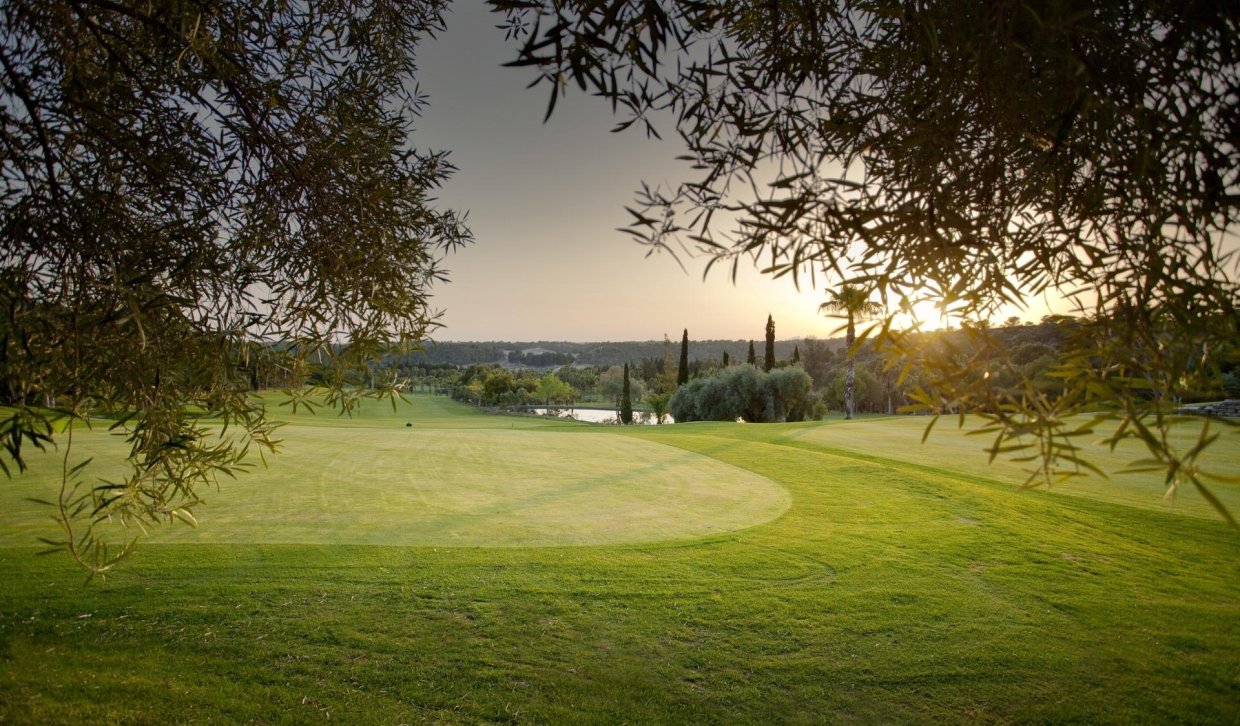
(599, 415)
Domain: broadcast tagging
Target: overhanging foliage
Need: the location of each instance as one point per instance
(971, 154)
(192, 192)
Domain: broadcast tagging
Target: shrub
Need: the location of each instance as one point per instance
(747, 393)
(791, 389)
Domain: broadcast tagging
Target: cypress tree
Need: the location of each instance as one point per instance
(682, 374)
(666, 376)
(796, 354)
(769, 361)
(725, 359)
(751, 359)
(626, 403)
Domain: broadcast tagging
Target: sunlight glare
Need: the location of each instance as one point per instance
(923, 313)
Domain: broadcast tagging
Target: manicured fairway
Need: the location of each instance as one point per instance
(892, 589)
(386, 484)
(952, 450)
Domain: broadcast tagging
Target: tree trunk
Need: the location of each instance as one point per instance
(850, 377)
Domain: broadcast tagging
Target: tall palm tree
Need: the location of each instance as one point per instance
(852, 303)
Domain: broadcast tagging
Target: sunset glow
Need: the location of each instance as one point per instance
(545, 202)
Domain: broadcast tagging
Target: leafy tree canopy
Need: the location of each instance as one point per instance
(188, 191)
(971, 154)
(746, 392)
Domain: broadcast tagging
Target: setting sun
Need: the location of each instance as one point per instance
(924, 315)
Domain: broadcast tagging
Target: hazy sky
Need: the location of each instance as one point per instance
(544, 203)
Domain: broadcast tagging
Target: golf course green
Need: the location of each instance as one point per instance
(440, 564)
(377, 481)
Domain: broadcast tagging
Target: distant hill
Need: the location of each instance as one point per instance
(546, 353)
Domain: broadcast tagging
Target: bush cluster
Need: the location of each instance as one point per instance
(748, 393)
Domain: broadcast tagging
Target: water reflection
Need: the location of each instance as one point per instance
(599, 415)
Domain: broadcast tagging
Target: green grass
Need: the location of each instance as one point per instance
(376, 481)
(900, 585)
(952, 451)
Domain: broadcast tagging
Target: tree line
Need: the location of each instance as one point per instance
(1015, 353)
(599, 353)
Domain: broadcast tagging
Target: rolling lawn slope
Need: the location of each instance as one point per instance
(870, 587)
